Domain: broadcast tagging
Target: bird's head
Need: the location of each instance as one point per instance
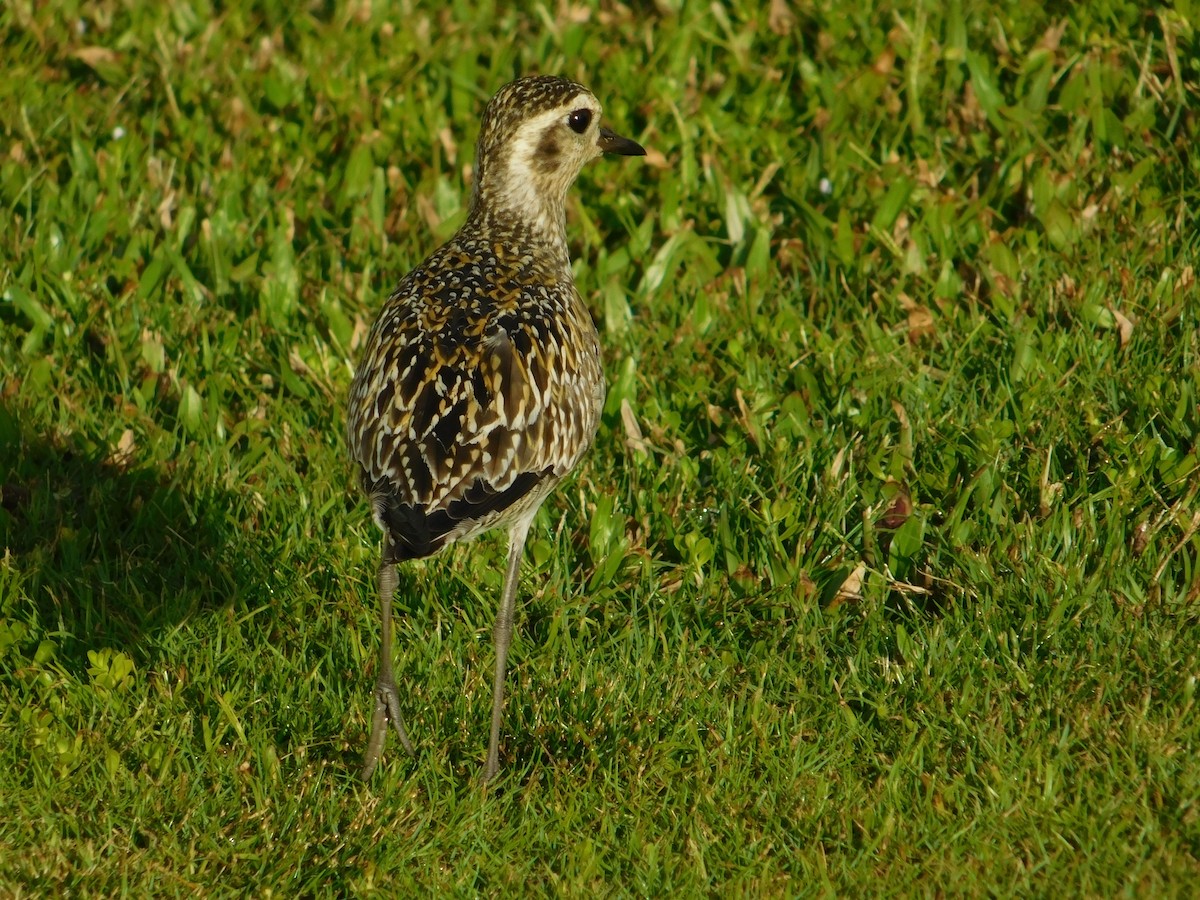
(537, 133)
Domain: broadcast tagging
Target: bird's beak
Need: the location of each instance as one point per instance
(614, 143)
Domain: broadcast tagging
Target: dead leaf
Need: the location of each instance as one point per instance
(1141, 537)
(1066, 287)
(790, 255)
(780, 18)
(747, 422)
(298, 365)
(1052, 36)
(920, 319)
(449, 145)
(655, 159)
(1187, 278)
(1124, 324)
(96, 57)
(838, 465)
(885, 62)
(851, 589)
(633, 432)
(122, 455)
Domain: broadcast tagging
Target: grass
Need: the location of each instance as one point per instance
(883, 577)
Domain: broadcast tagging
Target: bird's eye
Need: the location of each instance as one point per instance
(579, 120)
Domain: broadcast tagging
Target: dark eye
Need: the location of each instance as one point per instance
(579, 120)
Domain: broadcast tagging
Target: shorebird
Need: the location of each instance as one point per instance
(481, 383)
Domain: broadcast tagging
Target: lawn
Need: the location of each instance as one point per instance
(882, 578)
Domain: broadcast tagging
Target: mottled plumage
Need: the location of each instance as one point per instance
(481, 382)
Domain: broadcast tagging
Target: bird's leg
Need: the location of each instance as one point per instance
(387, 701)
(503, 637)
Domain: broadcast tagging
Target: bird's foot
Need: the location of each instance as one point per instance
(387, 708)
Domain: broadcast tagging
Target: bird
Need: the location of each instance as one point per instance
(480, 385)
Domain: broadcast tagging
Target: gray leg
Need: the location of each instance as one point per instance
(503, 638)
(387, 701)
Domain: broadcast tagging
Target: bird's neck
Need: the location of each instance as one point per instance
(512, 195)
(523, 216)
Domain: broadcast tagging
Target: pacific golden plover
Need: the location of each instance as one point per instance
(481, 384)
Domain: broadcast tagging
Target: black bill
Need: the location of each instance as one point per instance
(623, 146)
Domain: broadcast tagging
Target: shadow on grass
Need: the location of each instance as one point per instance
(110, 550)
